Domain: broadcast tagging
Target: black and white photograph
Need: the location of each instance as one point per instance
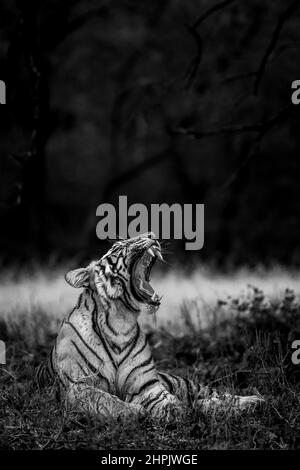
(149, 228)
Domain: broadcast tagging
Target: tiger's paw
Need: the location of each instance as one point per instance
(168, 413)
(248, 402)
(232, 403)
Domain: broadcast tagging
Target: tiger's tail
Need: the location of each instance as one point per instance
(45, 375)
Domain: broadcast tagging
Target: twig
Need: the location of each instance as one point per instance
(230, 130)
(227, 130)
(194, 64)
(260, 129)
(253, 150)
(283, 17)
(210, 11)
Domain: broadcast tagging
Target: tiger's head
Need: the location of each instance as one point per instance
(123, 273)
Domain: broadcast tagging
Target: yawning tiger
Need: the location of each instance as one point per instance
(101, 358)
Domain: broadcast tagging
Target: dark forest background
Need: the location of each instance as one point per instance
(163, 101)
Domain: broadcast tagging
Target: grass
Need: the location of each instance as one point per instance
(241, 344)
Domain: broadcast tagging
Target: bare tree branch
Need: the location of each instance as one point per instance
(194, 64)
(282, 19)
(231, 130)
(210, 11)
(248, 75)
(260, 129)
(278, 118)
(226, 130)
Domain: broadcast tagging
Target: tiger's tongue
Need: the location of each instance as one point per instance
(146, 287)
(141, 274)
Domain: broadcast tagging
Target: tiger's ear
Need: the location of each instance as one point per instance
(78, 277)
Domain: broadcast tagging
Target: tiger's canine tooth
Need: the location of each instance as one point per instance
(150, 251)
(159, 255)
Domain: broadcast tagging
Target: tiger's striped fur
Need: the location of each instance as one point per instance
(101, 357)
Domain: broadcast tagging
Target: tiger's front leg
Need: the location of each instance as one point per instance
(139, 383)
(141, 386)
(184, 389)
(96, 402)
(157, 401)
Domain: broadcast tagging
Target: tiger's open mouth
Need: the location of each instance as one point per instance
(141, 276)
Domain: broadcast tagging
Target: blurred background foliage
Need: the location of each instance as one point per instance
(163, 101)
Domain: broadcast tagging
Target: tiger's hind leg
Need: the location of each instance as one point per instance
(189, 392)
(96, 402)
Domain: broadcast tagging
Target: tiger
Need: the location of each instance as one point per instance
(101, 358)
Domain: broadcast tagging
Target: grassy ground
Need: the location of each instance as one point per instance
(244, 346)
